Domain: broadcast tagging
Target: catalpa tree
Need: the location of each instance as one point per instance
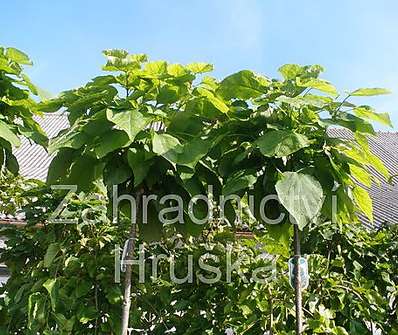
(154, 128)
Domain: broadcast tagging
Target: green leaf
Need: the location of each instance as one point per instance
(290, 71)
(52, 288)
(138, 163)
(18, 56)
(193, 151)
(71, 138)
(279, 143)
(188, 154)
(318, 84)
(213, 99)
(11, 163)
(51, 253)
(200, 67)
(301, 195)
(131, 121)
(167, 146)
(83, 288)
(64, 324)
(281, 237)
(241, 181)
(60, 165)
(116, 172)
(368, 158)
(111, 141)
(243, 85)
(82, 172)
(368, 113)
(37, 309)
(363, 201)
(168, 94)
(29, 84)
(156, 69)
(120, 60)
(349, 121)
(369, 91)
(152, 229)
(361, 175)
(114, 295)
(8, 134)
(86, 313)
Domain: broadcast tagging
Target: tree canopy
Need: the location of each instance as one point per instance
(155, 128)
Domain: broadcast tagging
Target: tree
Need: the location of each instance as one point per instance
(154, 128)
(275, 141)
(127, 130)
(17, 107)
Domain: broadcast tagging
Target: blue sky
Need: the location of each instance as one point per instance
(356, 41)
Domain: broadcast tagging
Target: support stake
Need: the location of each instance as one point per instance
(297, 282)
(129, 268)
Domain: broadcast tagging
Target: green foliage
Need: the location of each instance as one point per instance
(17, 107)
(62, 278)
(145, 124)
(301, 195)
(156, 128)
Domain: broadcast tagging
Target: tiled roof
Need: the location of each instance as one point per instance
(34, 162)
(385, 196)
(33, 159)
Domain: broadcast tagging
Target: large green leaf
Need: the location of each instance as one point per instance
(361, 175)
(193, 151)
(301, 195)
(18, 56)
(52, 285)
(368, 113)
(11, 163)
(117, 171)
(138, 163)
(8, 134)
(188, 154)
(349, 121)
(279, 143)
(156, 69)
(320, 85)
(167, 146)
(200, 67)
(240, 181)
(82, 172)
(60, 165)
(293, 71)
(131, 121)
(369, 91)
(213, 99)
(363, 201)
(37, 309)
(111, 141)
(71, 138)
(168, 94)
(52, 251)
(290, 71)
(243, 85)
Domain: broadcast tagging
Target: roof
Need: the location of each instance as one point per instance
(34, 162)
(33, 159)
(385, 196)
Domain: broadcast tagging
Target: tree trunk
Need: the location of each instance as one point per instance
(129, 268)
(297, 282)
